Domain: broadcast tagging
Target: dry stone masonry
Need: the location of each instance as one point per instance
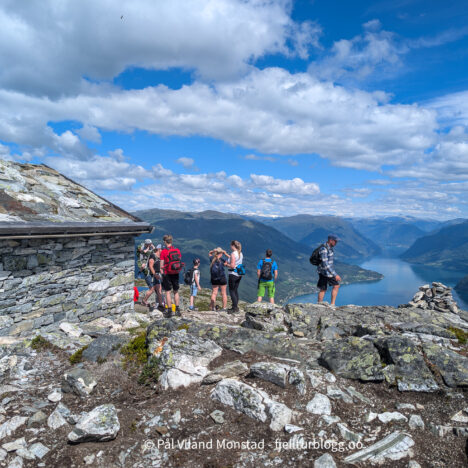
(78, 279)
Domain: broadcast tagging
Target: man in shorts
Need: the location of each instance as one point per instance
(326, 271)
(170, 280)
(267, 273)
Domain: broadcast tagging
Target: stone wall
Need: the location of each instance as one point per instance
(44, 281)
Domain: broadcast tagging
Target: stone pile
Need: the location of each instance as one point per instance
(436, 297)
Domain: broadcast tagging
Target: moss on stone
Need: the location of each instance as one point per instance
(77, 356)
(135, 350)
(461, 335)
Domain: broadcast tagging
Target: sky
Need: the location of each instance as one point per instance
(260, 107)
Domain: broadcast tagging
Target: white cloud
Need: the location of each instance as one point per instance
(271, 110)
(255, 157)
(188, 163)
(100, 172)
(294, 186)
(47, 48)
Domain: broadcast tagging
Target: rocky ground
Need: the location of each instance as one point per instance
(305, 385)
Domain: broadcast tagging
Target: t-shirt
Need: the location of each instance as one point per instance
(157, 262)
(239, 259)
(196, 272)
(274, 268)
(165, 257)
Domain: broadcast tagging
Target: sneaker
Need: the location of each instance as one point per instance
(332, 306)
(233, 311)
(177, 312)
(161, 308)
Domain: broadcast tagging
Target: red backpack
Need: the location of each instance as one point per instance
(174, 264)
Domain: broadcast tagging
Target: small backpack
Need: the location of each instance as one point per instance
(315, 258)
(217, 272)
(188, 276)
(174, 263)
(240, 270)
(265, 273)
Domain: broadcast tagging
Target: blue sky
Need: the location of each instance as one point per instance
(251, 106)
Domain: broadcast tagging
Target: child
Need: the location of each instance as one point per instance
(195, 286)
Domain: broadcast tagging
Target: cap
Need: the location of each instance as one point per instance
(148, 241)
(158, 247)
(333, 237)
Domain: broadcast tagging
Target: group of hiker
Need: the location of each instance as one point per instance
(161, 266)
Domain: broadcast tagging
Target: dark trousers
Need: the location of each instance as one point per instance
(233, 286)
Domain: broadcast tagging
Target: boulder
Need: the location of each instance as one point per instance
(265, 316)
(320, 404)
(353, 358)
(56, 420)
(99, 425)
(411, 372)
(325, 461)
(452, 366)
(71, 329)
(102, 347)
(252, 402)
(78, 381)
(184, 359)
(271, 372)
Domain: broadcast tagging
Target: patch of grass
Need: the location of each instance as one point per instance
(135, 350)
(151, 372)
(39, 343)
(77, 356)
(101, 360)
(462, 336)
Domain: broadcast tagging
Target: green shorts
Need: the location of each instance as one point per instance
(266, 286)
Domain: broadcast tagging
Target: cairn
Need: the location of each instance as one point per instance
(436, 297)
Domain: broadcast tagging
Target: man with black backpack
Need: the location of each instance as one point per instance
(267, 273)
(323, 258)
(171, 265)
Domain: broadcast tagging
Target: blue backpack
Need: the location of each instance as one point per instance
(217, 272)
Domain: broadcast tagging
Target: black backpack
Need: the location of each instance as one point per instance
(188, 276)
(315, 257)
(217, 272)
(265, 272)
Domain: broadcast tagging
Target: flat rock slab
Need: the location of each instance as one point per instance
(102, 347)
(99, 425)
(230, 369)
(353, 358)
(395, 446)
(10, 426)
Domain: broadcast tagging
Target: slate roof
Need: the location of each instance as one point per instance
(36, 199)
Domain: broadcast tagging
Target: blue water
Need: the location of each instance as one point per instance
(401, 281)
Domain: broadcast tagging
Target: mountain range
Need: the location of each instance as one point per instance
(197, 233)
(445, 248)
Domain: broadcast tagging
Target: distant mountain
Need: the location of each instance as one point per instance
(197, 233)
(462, 285)
(393, 234)
(312, 230)
(446, 248)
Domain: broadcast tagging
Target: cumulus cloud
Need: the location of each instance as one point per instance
(47, 49)
(271, 110)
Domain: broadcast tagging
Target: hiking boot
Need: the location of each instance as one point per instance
(177, 312)
(167, 312)
(233, 311)
(161, 308)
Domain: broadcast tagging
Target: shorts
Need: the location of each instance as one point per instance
(219, 282)
(171, 282)
(325, 281)
(151, 281)
(266, 286)
(193, 290)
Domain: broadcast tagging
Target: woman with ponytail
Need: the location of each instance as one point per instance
(236, 271)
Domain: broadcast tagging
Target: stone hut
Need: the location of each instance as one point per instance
(65, 253)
